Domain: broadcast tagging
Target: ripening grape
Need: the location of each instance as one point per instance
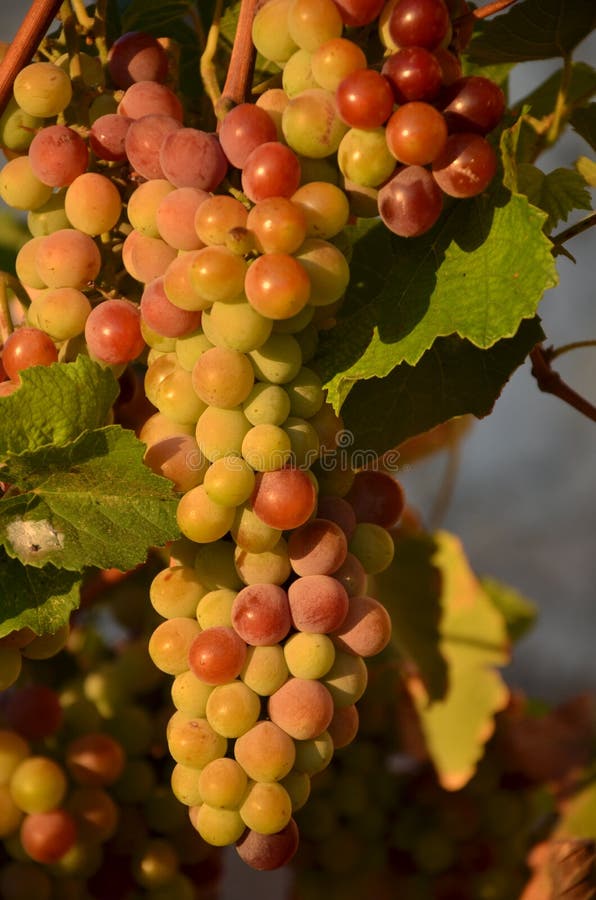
(107, 137)
(261, 614)
(373, 546)
(285, 498)
(178, 458)
(351, 575)
(411, 202)
(279, 225)
(311, 124)
(364, 157)
(189, 694)
(343, 727)
(176, 591)
(364, 99)
(217, 274)
(42, 89)
(366, 629)
(304, 441)
(301, 707)
(200, 518)
(170, 643)
(416, 133)
(266, 447)
(317, 548)
(376, 497)
(274, 101)
(58, 155)
(92, 203)
(315, 754)
(318, 603)
(309, 655)
(325, 207)
(266, 807)
(149, 98)
(215, 608)
(244, 128)
(466, 166)
(232, 709)
(95, 760)
(146, 258)
(136, 56)
(229, 481)
(67, 258)
(20, 188)
(222, 377)
(223, 782)
(312, 22)
(47, 836)
(265, 852)
(419, 23)
(217, 216)
(23, 348)
(271, 170)
(163, 316)
(193, 742)
(144, 138)
(333, 60)
(265, 669)
(278, 360)
(218, 827)
(474, 104)
(266, 567)
(236, 324)
(265, 751)
(251, 533)
(113, 332)
(38, 784)
(143, 204)
(414, 73)
(217, 655)
(13, 750)
(190, 157)
(175, 217)
(327, 270)
(220, 432)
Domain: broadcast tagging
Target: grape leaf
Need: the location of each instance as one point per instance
(587, 169)
(55, 404)
(534, 29)
(518, 612)
(482, 269)
(579, 813)
(37, 598)
(89, 503)
(583, 121)
(558, 192)
(473, 642)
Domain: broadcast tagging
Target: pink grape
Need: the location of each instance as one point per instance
(47, 837)
(217, 655)
(113, 332)
(108, 135)
(266, 852)
(284, 498)
(302, 707)
(143, 142)
(175, 218)
(271, 170)
(146, 258)
(162, 316)
(67, 258)
(366, 629)
(411, 202)
(318, 603)
(193, 158)
(261, 614)
(136, 56)
(245, 127)
(58, 155)
(149, 98)
(317, 548)
(27, 347)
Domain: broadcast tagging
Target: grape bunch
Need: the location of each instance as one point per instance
(25, 644)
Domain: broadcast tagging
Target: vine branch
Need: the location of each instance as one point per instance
(482, 12)
(34, 26)
(242, 60)
(551, 382)
(553, 352)
(583, 225)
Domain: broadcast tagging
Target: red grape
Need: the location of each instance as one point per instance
(163, 316)
(149, 98)
(414, 73)
(364, 99)
(376, 497)
(419, 23)
(46, 837)
(466, 166)
(416, 133)
(193, 158)
(217, 655)
(245, 127)
(143, 142)
(27, 347)
(271, 170)
(284, 498)
(136, 56)
(474, 104)
(318, 603)
(113, 332)
(58, 155)
(107, 137)
(411, 202)
(261, 614)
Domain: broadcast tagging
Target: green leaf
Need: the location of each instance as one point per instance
(558, 192)
(477, 274)
(534, 29)
(579, 814)
(473, 642)
(55, 404)
(518, 612)
(583, 121)
(410, 589)
(451, 379)
(582, 85)
(90, 503)
(587, 169)
(39, 599)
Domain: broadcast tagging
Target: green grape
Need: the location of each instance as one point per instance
(137, 781)
(222, 377)
(13, 750)
(200, 519)
(267, 404)
(364, 157)
(178, 285)
(188, 349)
(92, 203)
(311, 124)
(215, 608)
(325, 206)
(309, 655)
(61, 312)
(157, 865)
(312, 22)
(297, 75)
(45, 646)
(304, 441)
(315, 754)
(230, 480)
(193, 742)
(218, 827)
(251, 533)
(297, 784)
(265, 752)
(295, 323)
(278, 360)
(232, 709)
(25, 264)
(333, 60)
(10, 814)
(267, 807)
(176, 592)
(17, 127)
(42, 89)
(373, 546)
(158, 343)
(270, 33)
(220, 432)
(189, 694)
(185, 784)
(38, 784)
(170, 642)
(268, 567)
(20, 188)
(215, 566)
(237, 325)
(308, 340)
(265, 669)
(10, 666)
(274, 101)
(223, 783)
(324, 169)
(265, 448)
(155, 374)
(306, 394)
(50, 217)
(327, 269)
(176, 399)
(347, 678)
(143, 204)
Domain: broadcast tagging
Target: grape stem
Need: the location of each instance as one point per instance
(38, 19)
(484, 11)
(208, 73)
(6, 326)
(553, 352)
(240, 69)
(551, 382)
(583, 225)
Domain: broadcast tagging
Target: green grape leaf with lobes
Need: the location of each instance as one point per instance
(41, 599)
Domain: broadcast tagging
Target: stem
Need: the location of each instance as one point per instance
(484, 11)
(240, 69)
(573, 230)
(6, 326)
(560, 111)
(38, 19)
(553, 352)
(208, 73)
(99, 30)
(84, 20)
(551, 383)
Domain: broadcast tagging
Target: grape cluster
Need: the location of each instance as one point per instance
(25, 644)
(405, 135)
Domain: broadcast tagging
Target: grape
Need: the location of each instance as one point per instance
(364, 157)
(38, 784)
(419, 23)
(189, 694)
(284, 499)
(229, 481)
(192, 158)
(149, 98)
(330, 428)
(20, 188)
(362, 199)
(13, 750)
(237, 324)
(217, 216)
(416, 133)
(222, 377)
(265, 751)
(179, 459)
(317, 548)
(157, 866)
(193, 742)
(185, 785)
(113, 333)
(23, 348)
(143, 141)
(107, 137)
(270, 34)
(278, 224)
(176, 591)
(261, 614)
(215, 566)
(215, 608)
(278, 360)
(95, 814)
(42, 89)
(266, 447)
(157, 370)
(474, 104)
(199, 518)
(318, 603)
(271, 170)
(364, 99)
(309, 655)
(232, 709)
(245, 127)
(68, 258)
(50, 217)
(250, 533)
(311, 124)
(146, 258)
(95, 760)
(327, 269)
(376, 497)
(304, 441)
(170, 643)
(274, 101)
(44, 646)
(366, 629)
(175, 217)
(267, 404)
(351, 575)
(34, 711)
(143, 204)
(58, 155)
(158, 428)
(325, 207)
(218, 827)
(220, 432)
(47, 836)
(136, 56)
(265, 669)
(356, 13)
(411, 202)
(312, 22)
(333, 60)
(295, 324)
(163, 316)
(314, 755)
(25, 264)
(179, 288)
(266, 808)
(92, 203)
(223, 782)
(466, 166)
(217, 274)
(265, 852)
(10, 815)
(450, 65)
(414, 73)
(217, 655)
(17, 127)
(302, 707)
(347, 678)
(277, 286)
(22, 880)
(338, 510)
(344, 725)
(373, 546)
(297, 784)
(269, 566)
(189, 348)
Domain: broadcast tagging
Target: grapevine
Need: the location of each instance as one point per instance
(272, 252)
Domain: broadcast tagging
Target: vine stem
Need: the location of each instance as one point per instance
(208, 73)
(38, 19)
(559, 239)
(551, 383)
(484, 11)
(553, 352)
(240, 69)
(6, 327)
